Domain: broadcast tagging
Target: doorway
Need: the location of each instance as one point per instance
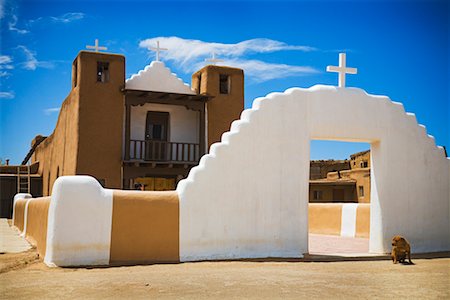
(339, 198)
(156, 136)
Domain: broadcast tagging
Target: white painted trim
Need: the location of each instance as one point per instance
(17, 197)
(348, 219)
(79, 223)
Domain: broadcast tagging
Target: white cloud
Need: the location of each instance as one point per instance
(12, 25)
(64, 18)
(5, 64)
(7, 95)
(49, 111)
(261, 71)
(31, 62)
(190, 55)
(185, 50)
(68, 17)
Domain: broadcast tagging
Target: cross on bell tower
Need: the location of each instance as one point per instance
(342, 69)
(213, 60)
(96, 47)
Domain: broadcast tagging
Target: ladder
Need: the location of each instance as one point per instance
(23, 179)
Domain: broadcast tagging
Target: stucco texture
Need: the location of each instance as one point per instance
(249, 196)
(79, 223)
(37, 216)
(325, 218)
(145, 227)
(19, 213)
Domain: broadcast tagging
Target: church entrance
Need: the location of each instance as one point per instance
(156, 136)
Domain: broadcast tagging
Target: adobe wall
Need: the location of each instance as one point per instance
(351, 220)
(149, 221)
(58, 152)
(90, 225)
(87, 138)
(36, 228)
(252, 188)
(223, 108)
(101, 112)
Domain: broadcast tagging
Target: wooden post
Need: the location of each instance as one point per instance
(202, 140)
(127, 130)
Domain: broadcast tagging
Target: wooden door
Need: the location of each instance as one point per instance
(156, 135)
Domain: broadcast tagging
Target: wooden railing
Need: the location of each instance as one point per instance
(164, 151)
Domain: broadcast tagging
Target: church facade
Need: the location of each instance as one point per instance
(149, 130)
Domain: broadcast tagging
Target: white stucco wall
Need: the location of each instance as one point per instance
(183, 123)
(249, 196)
(158, 78)
(79, 223)
(18, 197)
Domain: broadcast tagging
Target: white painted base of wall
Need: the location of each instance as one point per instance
(79, 223)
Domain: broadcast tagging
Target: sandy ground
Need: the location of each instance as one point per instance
(426, 279)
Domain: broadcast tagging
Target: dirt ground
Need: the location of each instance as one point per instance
(23, 276)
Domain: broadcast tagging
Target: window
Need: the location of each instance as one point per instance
(224, 84)
(361, 191)
(317, 195)
(365, 164)
(102, 71)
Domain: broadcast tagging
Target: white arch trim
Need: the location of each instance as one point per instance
(249, 196)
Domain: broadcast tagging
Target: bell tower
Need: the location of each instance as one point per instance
(226, 86)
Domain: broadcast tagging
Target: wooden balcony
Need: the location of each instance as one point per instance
(160, 151)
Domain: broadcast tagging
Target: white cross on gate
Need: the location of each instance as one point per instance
(96, 47)
(157, 50)
(213, 60)
(342, 69)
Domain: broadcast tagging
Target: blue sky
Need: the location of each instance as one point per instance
(401, 49)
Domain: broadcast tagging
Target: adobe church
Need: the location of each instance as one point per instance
(150, 129)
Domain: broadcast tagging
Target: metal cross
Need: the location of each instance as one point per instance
(213, 60)
(96, 47)
(342, 69)
(157, 50)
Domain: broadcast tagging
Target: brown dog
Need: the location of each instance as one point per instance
(400, 248)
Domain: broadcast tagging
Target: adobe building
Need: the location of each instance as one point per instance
(344, 181)
(150, 129)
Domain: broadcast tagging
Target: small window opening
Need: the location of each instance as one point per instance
(361, 191)
(224, 84)
(317, 195)
(102, 71)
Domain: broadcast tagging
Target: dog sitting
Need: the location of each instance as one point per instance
(400, 249)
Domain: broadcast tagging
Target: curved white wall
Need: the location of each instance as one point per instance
(249, 196)
(79, 223)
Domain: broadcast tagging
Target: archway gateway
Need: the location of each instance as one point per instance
(249, 196)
